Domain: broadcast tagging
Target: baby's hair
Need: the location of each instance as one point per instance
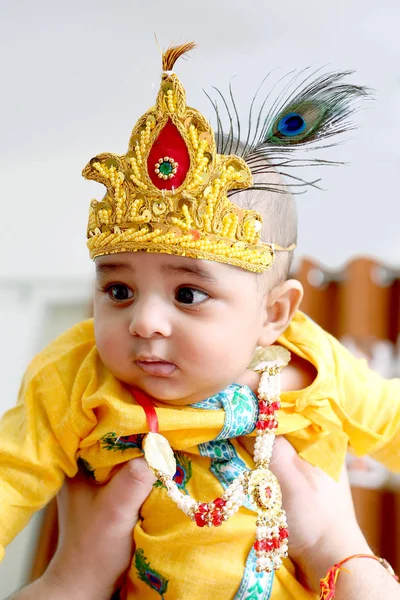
(279, 214)
(278, 211)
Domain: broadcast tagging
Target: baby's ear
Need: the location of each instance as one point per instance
(280, 305)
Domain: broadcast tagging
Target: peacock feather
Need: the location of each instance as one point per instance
(150, 576)
(302, 112)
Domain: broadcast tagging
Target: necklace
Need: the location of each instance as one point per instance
(259, 486)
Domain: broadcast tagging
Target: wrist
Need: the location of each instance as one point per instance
(315, 562)
(69, 582)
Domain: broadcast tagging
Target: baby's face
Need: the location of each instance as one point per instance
(180, 329)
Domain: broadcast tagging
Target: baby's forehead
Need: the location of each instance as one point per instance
(151, 263)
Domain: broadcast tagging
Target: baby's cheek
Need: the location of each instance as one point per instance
(108, 342)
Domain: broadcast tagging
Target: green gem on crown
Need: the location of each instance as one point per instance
(166, 168)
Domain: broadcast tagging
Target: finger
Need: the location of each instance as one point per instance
(251, 379)
(126, 492)
(288, 467)
(283, 455)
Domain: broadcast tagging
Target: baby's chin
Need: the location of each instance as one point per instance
(164, 393)
(170, 395)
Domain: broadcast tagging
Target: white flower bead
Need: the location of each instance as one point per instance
(275, 531)
(277, 562)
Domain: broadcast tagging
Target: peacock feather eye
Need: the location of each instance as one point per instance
(291, 124)
(297, 123)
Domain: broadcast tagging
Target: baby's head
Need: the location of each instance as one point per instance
(182, 329)
(186, 289)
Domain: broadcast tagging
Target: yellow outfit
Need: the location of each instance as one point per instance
(71, 407)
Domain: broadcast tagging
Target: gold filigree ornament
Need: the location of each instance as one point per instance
(168, 193)
(264, 492)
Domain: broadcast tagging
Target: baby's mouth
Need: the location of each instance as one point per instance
(155, 366)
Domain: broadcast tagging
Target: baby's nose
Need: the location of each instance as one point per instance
(149, 319)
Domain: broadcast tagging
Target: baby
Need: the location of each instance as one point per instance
(189, 286)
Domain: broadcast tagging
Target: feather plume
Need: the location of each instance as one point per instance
(309, 111)
(171, 55)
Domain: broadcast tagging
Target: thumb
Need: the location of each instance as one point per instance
(126, 492)
(251, 379)
(285, 464)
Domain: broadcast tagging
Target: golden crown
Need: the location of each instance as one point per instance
(168, 193)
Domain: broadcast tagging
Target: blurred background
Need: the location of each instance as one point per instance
(75, 76)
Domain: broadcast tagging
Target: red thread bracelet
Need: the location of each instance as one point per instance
(328, 583)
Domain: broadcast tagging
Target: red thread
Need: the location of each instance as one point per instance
(146, 403)
(328, 583)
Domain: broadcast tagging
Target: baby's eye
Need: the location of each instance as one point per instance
(119, 292)
(187, 295)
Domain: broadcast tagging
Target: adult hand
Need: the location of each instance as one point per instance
(95, 542)
(320, 512)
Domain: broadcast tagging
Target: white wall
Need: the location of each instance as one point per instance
(76, 75)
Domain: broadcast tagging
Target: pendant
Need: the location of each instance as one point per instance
(159, 454)
(271, 545)
(265, 493)
(269, 356)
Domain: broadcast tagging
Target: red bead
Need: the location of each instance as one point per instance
(276, 543)
(272, 424)
(261, 425)
(200, 519)
(283, 533)
(216, 518)
(268, 546)
(267, 408)
(203, 508)
(263, 546)
(219, 502)
(259, 545)
(264, 406)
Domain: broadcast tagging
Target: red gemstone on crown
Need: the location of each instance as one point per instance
(169, 143)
